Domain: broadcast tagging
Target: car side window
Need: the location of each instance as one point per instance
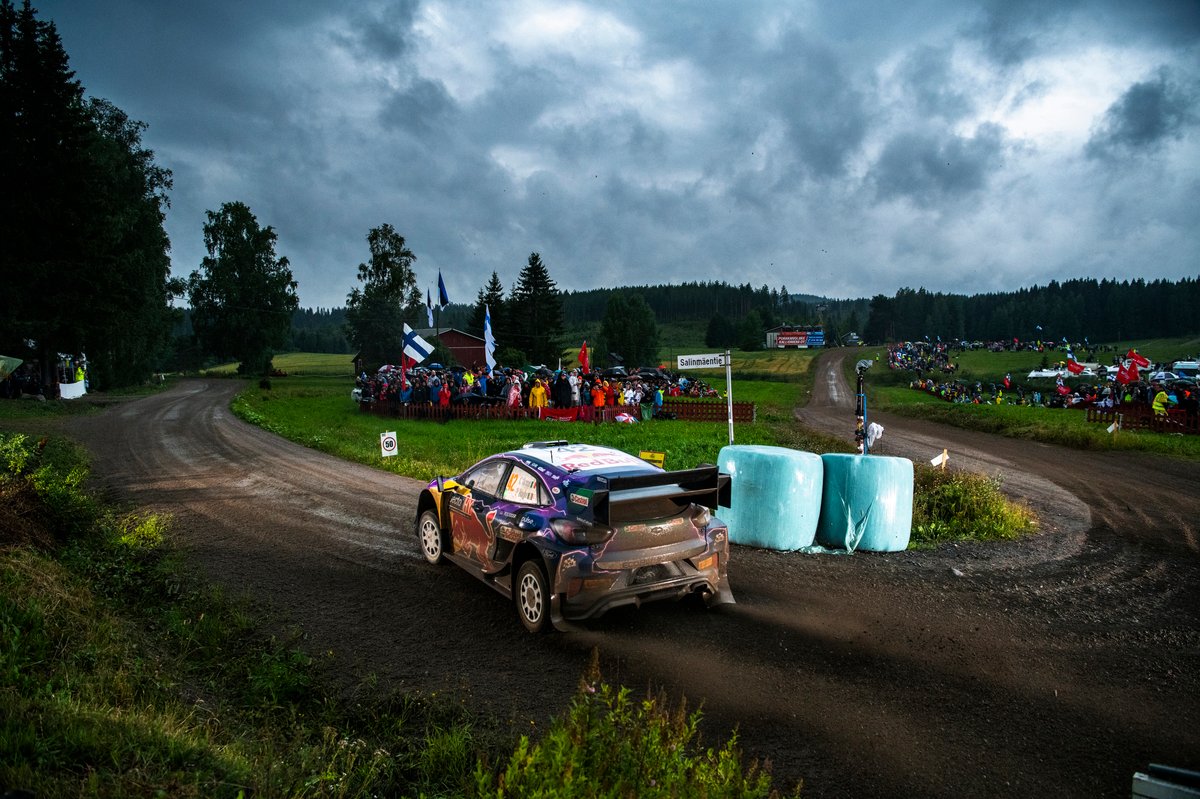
(486, 477)
(522, 486)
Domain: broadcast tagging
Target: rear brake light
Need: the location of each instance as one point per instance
(701, 516)
(576, 532)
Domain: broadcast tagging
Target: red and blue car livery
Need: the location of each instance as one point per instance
(569, 531)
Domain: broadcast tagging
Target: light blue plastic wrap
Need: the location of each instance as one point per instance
(776, 496)
(867, 503)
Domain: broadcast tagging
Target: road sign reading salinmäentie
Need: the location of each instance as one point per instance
(713, 360)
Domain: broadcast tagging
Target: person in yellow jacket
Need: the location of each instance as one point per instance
(537, 395)
(1161, 400)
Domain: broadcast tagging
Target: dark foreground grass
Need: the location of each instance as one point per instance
(122, 676)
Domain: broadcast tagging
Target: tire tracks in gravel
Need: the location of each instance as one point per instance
(1058, 664)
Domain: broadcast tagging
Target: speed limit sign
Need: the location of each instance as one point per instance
(387, 443)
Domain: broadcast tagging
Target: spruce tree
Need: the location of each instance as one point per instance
(81, 216)
(535, 318)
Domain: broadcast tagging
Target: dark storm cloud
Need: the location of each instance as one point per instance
(823, 112)
(422, 108)
(382, 32)
(1174, 23)
(1009, 29)
(1147, 115)
(935, 89)
(630, 142)
(929, 170)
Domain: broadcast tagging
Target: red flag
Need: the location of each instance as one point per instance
(1127, 373)
(1074, 366)
(1138, 359)
(583, 359)
(1063, 390)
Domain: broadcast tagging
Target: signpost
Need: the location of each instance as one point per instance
(713, 360)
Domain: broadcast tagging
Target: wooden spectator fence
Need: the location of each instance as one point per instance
(689, 410)
(1141, 417)
(710, 410)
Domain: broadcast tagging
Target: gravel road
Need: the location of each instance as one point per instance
(1056, 666)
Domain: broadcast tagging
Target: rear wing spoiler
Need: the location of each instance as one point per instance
(649, 496)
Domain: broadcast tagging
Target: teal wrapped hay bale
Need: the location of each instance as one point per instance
(867, 503)
(776, 496)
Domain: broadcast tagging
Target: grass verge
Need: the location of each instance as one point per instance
(120, 675)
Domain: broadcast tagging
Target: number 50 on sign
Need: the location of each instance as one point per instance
(387, 444)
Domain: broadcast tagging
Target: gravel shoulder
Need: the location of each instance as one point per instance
(1055, 666)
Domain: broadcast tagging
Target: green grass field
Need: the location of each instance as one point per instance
(317, 411)
(992, 366)
(888, 391)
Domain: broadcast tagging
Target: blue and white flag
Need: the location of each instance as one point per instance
(489, 340)
(443, 297)
(428, 308)
(415, 347)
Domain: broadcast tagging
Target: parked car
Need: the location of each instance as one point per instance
(569, 531)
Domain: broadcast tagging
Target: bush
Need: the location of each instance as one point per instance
(609, 745)
(963, 506)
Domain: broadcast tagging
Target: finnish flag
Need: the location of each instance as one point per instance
(415, 347)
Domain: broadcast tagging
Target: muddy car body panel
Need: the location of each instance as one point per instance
(605, 529)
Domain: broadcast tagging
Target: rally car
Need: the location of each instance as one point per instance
(568, 531)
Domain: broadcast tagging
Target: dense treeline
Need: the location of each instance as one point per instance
(692, 301)
(1104, 310)
(84, 257)
(319, 330)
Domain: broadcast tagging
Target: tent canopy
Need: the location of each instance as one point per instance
(8, 365)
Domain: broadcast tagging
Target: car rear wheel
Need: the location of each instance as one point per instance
(533, 596)
(433, 540)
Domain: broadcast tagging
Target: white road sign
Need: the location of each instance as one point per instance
(387, 444)
(713, 360)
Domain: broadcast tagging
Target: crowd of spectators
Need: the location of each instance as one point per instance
(932, 364)
(533, 388)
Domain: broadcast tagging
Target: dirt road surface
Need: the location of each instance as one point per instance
(1057, 666)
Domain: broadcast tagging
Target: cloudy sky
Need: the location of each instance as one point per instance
(838, 148)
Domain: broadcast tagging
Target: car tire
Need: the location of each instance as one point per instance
(431, 537)
(532, 596)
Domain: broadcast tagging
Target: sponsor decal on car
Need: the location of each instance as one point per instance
(579, 499)
(459, 503)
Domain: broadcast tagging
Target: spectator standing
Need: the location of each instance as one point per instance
(537, 395)
(574, 381)
(1161, 400)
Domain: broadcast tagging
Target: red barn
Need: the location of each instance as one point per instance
(467, 349)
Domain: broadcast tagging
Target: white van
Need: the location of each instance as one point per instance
(1188, 369)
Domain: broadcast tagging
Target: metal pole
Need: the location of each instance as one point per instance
(729, 392)
(860, 411)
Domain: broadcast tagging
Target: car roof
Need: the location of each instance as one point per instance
(582, 458)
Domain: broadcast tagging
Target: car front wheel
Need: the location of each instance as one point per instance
(533, 596)
(433, 540)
